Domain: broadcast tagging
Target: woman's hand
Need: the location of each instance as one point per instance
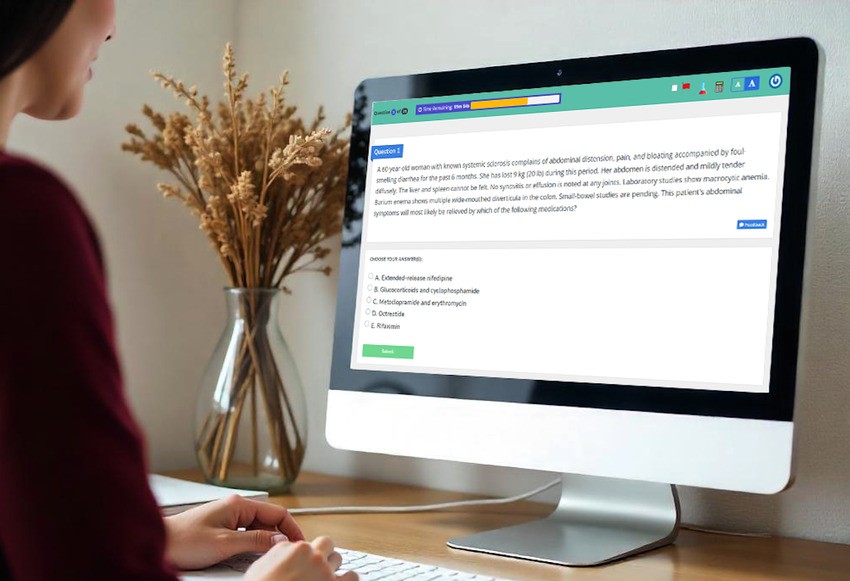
(299, 561)
(207, 534)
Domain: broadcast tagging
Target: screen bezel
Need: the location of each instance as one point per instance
(800, 54)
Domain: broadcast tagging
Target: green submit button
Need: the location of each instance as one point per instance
(388, 351)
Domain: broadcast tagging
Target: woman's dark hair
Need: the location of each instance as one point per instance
(25, 25)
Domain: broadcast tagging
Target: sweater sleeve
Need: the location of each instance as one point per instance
(74, 498)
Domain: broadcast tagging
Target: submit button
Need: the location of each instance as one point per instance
(388, 351)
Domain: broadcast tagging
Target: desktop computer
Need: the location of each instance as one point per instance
(592, 267)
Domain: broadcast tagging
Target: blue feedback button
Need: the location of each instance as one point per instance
(387, 151)
(752, 224)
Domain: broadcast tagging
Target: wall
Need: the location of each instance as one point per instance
(164, 279)
(331, 45)
(165, 283)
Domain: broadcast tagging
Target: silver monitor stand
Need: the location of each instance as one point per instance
(597, 520)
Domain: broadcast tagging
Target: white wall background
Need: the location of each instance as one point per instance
(165, 282)
(164, 279)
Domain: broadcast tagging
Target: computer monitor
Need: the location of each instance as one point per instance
(591, 267)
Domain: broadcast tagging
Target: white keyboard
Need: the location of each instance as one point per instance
(368, 567)
(371, 567)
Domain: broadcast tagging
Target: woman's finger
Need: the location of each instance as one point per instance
(253, 514)
(254, 541)
(335, 561)
(324, 546)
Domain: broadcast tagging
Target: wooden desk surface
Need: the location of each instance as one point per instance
(422, 537)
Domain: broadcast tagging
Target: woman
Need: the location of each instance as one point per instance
(74, 500)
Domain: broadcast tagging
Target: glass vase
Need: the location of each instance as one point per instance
(251, 415)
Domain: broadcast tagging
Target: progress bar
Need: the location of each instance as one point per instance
(480, 104)
(517, 102)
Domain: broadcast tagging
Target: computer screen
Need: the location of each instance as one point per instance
(622, 233)
(600, 250)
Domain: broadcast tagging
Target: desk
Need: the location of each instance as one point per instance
(422, 537)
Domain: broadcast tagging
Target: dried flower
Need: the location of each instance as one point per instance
(267, 189)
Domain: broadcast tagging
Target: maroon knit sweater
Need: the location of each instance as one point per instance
(74, 499)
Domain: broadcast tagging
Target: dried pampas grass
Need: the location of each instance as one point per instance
(267, 188)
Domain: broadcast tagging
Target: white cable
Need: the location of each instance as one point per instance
(482, 502)
(421, 507)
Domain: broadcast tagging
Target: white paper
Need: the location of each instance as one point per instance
(174, 495)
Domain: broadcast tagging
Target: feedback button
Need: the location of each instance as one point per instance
(752, 224)
(387, 151)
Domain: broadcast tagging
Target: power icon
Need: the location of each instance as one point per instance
(775, 81)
